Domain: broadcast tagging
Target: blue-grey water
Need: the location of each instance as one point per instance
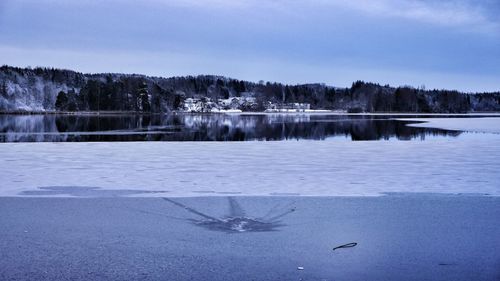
(210, 127)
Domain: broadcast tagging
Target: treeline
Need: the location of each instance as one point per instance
(50, 89)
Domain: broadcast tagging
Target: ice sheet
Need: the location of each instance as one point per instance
(468, 165)
(483, 125)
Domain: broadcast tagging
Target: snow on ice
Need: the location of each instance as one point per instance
(309, 168)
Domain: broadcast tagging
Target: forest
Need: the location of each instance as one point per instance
(52, 90)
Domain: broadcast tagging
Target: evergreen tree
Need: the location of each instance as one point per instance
(143, 98)
(61, 101)
(3, 89)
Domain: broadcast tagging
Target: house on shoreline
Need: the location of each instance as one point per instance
(288, 107)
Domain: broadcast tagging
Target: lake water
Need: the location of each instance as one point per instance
(211, 127)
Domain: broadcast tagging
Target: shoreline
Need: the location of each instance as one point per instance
(319, 112)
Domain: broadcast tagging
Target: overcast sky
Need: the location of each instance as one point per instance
(452, 44)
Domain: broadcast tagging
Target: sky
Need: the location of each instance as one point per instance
(443, 44)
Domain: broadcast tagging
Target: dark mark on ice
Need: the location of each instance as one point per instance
(284, 194)
(447, 264)
(348, 245)
(85, 191)
(433, 194)
(228, 192)
(237, 221)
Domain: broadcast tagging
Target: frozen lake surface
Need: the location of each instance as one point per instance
(481, 125)
(469, 165)
(254, 208)
(408, 237)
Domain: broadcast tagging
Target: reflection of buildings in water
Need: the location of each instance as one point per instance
(194, 121)
(287, 118)
(204, 127)
(191, 120)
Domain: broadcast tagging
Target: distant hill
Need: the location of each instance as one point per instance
(50, 90)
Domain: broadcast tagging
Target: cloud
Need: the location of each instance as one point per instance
(464, 14)
(468, 14)
(451, 13)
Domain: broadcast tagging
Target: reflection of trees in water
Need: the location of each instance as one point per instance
(26, 127)
(205, 127)
(285, 127)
